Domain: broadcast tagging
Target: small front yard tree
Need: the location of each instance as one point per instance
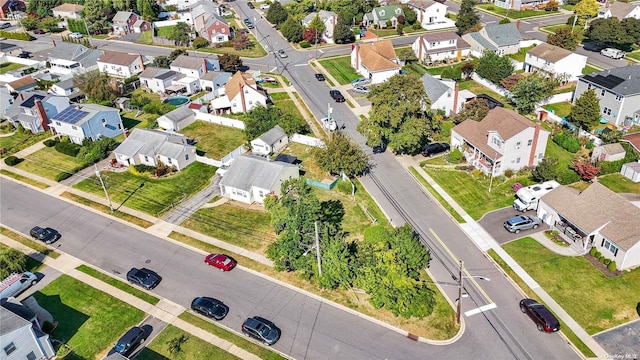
(341, 154)
(11, 260)
(586, 111)
(531, 90)
(319, 27)
(468, 18)
(292, 30)
(586, 170)
(494, 67)
(546, 170)
(342, 32)
(181, 34)
(230, 63)
(241, 42)
(565, 38)
(410, 16)
(277, 14)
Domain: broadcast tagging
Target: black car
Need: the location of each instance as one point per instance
(210, 307)
(336, 95)
(544, 319)
(5, 25)
(595, 46)
(250, 5)
(261, 329)
(319, 77)
(130, 340)
(435, 148)
(24, 55)
(143, 277)
(46, 235)
(379, 149)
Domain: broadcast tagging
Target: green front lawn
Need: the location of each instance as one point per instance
(553, 28)
(30, 243)
(119, 284)
(620, 184)
(514, 14)
(89, 320)
(193, 348)
(634, 55)
(148, 194)
(9, 66)
(437, 196)
(595, 301)
(19, 141)
(285, 104)
(590, 69)
(215, 140)
(48, 163)
(340, 68)
(384, 32)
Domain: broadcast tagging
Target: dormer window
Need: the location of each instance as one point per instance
(381, 12)
(398, 11)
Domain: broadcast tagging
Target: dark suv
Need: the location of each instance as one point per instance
(210, 307)
(129, 341)
(143, 277)
(544, 319)
(46, 235)
(435, 148)
(336, 95)
(261, 329)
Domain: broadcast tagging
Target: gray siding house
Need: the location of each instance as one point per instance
(503, 39)
(21, 336)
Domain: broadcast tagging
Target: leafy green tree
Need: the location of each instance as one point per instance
(585, 10)
(277, 14)
(161, 61)
(94, 151)
(148, 9)
(531, 90)
(407, 55)
(494, 67)
(11, 260)
(317, 24)
(42, 7)
(292, 30)
(609, 31)
(612, 137)
(76, 26)
(181, 34)
(545, 171)
(95, 13)
(474, 109)
(199, 43)
(341, 154)
(259, 120)
(586, 111)
(96, 86)
(410, 16)
(49, 23)
(29, 22)
(175, 53)
(124, 5)
(565, 38)
(467, 18)
(632, 28)
(230, 63)
(398, 116)
(342, 32)
(338, 262)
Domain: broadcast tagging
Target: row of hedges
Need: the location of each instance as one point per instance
(68, 148)
(611, 264)
(16, 35)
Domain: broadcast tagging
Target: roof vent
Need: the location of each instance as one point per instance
(78, 107)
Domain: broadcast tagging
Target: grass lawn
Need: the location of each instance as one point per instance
(519, 56)
(24, 179)
(194, 348)
(438, 197)
(308, 167)
(235, 224)
(340, 68)
(142, 121)
(605, 302)
(445, 131)
(285, 104)
(146, 38)
(148, 194)
(48, 163)
(118, 284)
(554, 151)
(30, 243)
(89, 324)
(165, 31)
(105, 209)
(514, 14)
(590, 69)
(433, 71)
(384, 32)
(215, 140)
(560, 109)
(415, 68)
(9, 66)
(553, 28)
(19, 141)
(619, 184)
(634, 55)
(472, 193)
(31, 265)
(568, 7)
(255, 49)
(478, 89)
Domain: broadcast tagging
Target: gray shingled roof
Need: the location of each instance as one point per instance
(482, 41)
(122, 16)
(179, 114)
(623, 80)
(273, 135)
(434, 87)
(189, 62)
(151, 143)
(10, 321)
(503, 34)
(324, 15)
(248, 171)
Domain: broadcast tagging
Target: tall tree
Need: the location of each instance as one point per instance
(586, 111)
(230, 63)
(341, 154)
(241, 42)
(11, 260)
(175, 53)
(317, 24)
(609, 31)
(474, 109)
(95, 13)
(342, 32)
(277, 14)
(161, 61)
(531, 90)
(494, 67)
(565, 38)
(42, 7)
(181, 34)
(632, 28)
(467, 18)
(291, 29)
(410, 16)
(545, 171)
(585, 10)
(98, 87)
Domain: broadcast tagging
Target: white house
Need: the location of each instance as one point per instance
(445, 94)
(184, 84)
(150, 146)
(440, 46)
(69, 58)
(67, 11)
(631, 171)
(431, 14)
(212, 81)
(376, 61)
(177, 119)
(596, 217)
(328, 18)
(555, 60)
(87, 121)
(189, 65)
(502, 140)
(157, 79)
(270, 142)
(250, 178)
(120, 64)
(608, 152)
(503, 39)
(241, 95)
(620, 10)
(65, 88)
(21, 335)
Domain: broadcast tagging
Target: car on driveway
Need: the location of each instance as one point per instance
(544, 319)
(75, 35)
(145, 278)
(521, 222)
(264, 7)
(319, 77)
(250, 5)
(261, 329)
(434, 149)
(336, 95)
(282, 54)
(46, 235)
(361, 89)
(248, 23)
(130, 340)
(24, 55)
(361, 82)
(5, 25)
(220, 261)
(38, 31)
(210, 307)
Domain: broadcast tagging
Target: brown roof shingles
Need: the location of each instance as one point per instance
(22, 82)
(117, 58)
(376, 56)
(633, 139)
(232, 87)
(68, 8)
(549, 52)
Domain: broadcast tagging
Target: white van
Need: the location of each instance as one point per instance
(16, 283)
(613, 53)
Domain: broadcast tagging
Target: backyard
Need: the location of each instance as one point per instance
(216, 141)
(87, 324)
(193, 348)
(340, 68)
(285, 104)
(48, 163)
(9, 66)
(620, 184)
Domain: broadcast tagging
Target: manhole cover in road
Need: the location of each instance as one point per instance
(147, 261)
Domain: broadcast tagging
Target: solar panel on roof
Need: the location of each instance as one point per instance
(71, 115)
(609, 81)
(30, 102)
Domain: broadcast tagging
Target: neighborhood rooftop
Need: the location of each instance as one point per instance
(117, 58)
(77, 114)
(623, 80)
(248, 171)
(503, 34)
(142, 141)
(377, 55)
(188, 62)
(549, 52)
(272, 135)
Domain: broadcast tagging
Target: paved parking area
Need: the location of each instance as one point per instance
(622, 342)
(492, 223)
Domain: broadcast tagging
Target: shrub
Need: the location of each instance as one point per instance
(568, 177)
(508, 173)
(304, 44)
(593, 251)
(344, 186)
(570, 20)
(505, 21)
(455, 156)
(416, 26)
(600, 257)
(16, 35)
(141, 169)
(68, 148)
(50, 143)
(12, 160)
(63, 175)
(47, 327)
(199, 42)
(477, 173)
(376, 234)
(610, 167)
(607, 261)
(452, 72)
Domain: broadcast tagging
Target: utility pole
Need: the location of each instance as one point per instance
(103, 187)
(493, 167)
(460, 286)
(315, 224)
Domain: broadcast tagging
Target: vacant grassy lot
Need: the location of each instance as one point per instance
(48, 163)
(118, 284)
(148, 194)
(514, 14)
(215, 140)
(437, 196)
(89, 324)
(560, 109)
(619, 183)
(340, 68)
(604, 301)
(9, 66)
(30, 243)
(24, 179)
(194, 348)
(285, 104)
(309, 168)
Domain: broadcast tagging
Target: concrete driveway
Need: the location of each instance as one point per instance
(492, 223)
(621, 342)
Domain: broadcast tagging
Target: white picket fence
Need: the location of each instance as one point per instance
(553, 117)
(562, 97)
(306, 140)
(488, 84)
(164, 23)
(220, 120)
(208, 161)
(232, 155)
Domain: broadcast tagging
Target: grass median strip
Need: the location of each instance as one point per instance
(105, 209)
(192, 347)
(237, 340)
(24, 179)
(118, 284)
(435, 194)
(42, 249)
(31, 264)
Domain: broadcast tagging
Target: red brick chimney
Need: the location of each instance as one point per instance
(532, 154)
(44, 119)
(455, 98)
(518, 24)
(204, 64)
(21, 96)
(141, 61)
(244, 106)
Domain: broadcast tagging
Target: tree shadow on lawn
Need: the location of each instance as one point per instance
(148, 354)
(69, 319)
(130, 123)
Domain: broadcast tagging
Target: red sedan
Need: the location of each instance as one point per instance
(221, 261)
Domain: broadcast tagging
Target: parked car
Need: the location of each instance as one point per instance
(336, 95)
(38, 31)
(210, 307)
(521, 222)
(282, 54)
(613, 53)
(379, 149)
(220, 261)
(319, 77)
(360, 81)
(250, 5)
(360, 89)
(434, 149)
(594, 46)
(5, 25)
(75, 35)
(264, 7)
(267, 79)
(46, 235)
(248, 23)
(544, 319)
(16, 283)
(143, 277)
(261, 329)
(130, 340)
(24, 55)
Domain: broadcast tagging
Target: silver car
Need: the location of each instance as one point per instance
(360, 89)
(521, 222)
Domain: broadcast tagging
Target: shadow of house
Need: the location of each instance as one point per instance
(69, 319)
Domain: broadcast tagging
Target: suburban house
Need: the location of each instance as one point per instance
(328, 18)
(12, 9)
(631, 171)
(120, 64)
(612, 227)
(190, 66)
(123, 22)
(216, 30)
(87, 121)
(502, 140)
(23, 84)
(250, 178)
(177, 119)
(445, 94)
(33, 109)
(157, 79)
(141, 26)
(618, 90)
(66, 88)
(67, 11)
(201, 11)
(214, 80)
(431, 14)
(522, 4)
(380, 15)
(502, 39)
(620, 10)
(270, 142)
(10, 49)
(21, 334)
(69, 58)
(148, 147)
(376, 61)
(555, 60)
(608, 152)
(241, 94)
(440, 46)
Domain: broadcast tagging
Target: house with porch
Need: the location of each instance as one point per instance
(87, 121)
(431, 14)
(440, 46)
(376, 61)
(502, 140)
(595, 217)
(270, 142)
(379, 16)
(250, 178)
(554, 60)
(619, 10)
(149, 147)
(502, 39)
(328, 18)
(119, 64)
(68, 11)
(241, 94)
(33, 109)
(21, 334)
